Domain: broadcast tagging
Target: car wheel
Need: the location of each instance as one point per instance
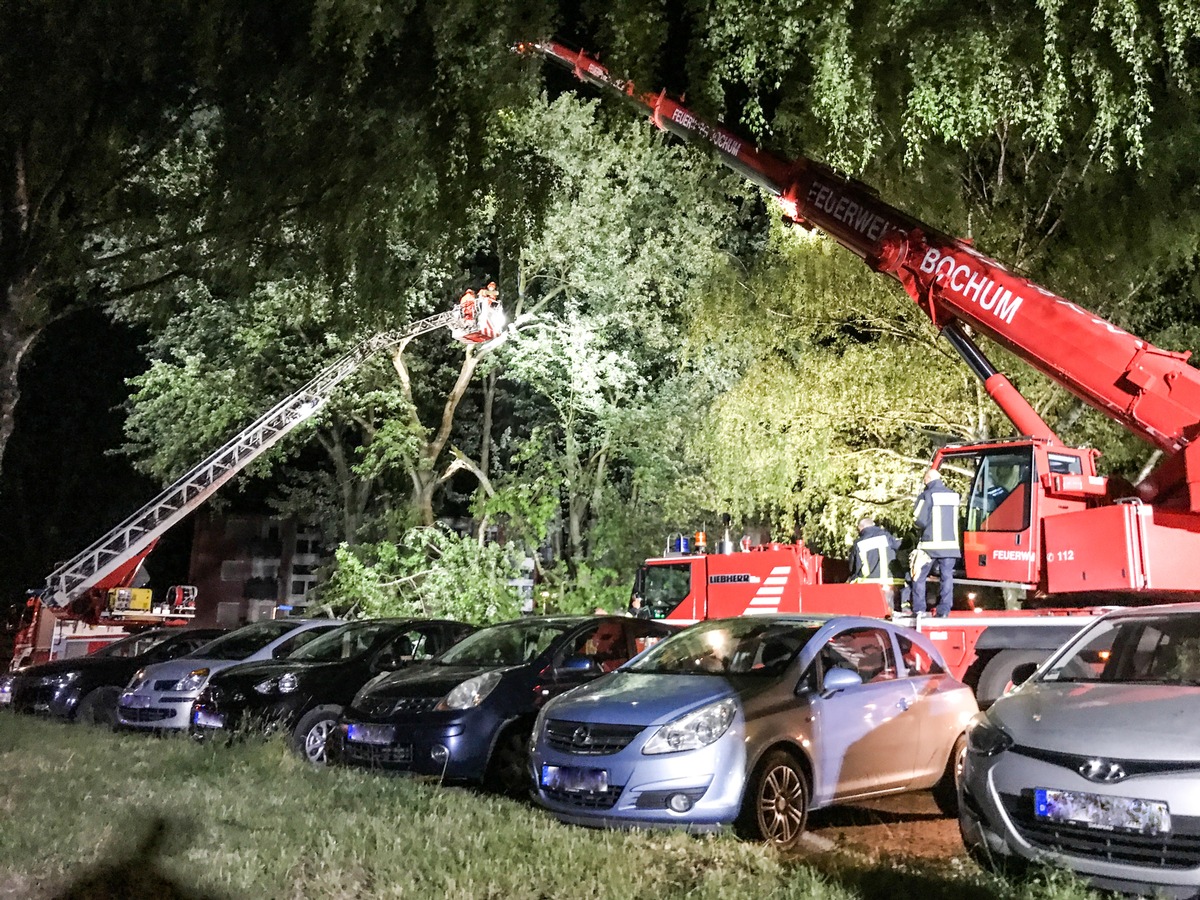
(775, 807)
(945, 792)
(508, 767)
(99, 707)
(312, 732)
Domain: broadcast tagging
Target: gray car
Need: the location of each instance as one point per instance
(160, 697)
(754, 721)
(1093, 763)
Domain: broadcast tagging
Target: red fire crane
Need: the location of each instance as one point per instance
(1043, 530)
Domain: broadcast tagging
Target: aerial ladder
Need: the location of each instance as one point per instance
(1043, 528)
(83, 587)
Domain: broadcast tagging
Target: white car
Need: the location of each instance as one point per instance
(1093, 763)
(160, 697)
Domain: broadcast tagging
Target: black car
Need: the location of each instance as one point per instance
(86, 688)
(305, 692)
(468, 714)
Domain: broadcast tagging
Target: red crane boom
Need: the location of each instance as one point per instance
(1152, 392)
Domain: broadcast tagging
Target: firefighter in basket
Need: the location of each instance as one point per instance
(479, 315)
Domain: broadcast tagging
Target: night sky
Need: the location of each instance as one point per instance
(63, 486)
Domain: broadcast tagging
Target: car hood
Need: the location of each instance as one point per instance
(177, 668)
(79, 664)
(428, 680)
(257, 671)
(1127, 721)
(632, 698)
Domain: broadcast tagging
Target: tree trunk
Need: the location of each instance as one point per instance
(16, 339)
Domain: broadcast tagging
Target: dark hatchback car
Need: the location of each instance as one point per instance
(305, 692)
(468, 714)
(86, 688)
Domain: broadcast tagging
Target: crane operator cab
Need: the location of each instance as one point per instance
(479, 316)
(1009, 488)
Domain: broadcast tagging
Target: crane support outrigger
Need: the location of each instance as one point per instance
(1042, 527)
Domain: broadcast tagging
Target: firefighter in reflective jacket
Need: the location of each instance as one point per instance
(936, 514)
(873, 555)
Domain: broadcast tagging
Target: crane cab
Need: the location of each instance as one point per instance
(1008, 490)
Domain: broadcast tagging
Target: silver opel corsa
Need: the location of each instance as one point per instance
(1093, 763)
(754, 721)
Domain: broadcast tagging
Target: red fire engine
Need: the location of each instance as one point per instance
(1046, 540)
(90, 600)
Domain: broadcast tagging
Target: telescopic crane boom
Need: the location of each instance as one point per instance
(115, 556)
(1152, 392)
(1039, 518)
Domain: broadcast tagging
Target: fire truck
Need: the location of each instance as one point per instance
(92, 599)
(1048, 542)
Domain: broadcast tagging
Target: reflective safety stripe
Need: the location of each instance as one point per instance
(943, 522)
(877, 545)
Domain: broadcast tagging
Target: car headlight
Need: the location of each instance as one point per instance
(192, 681)
(284, 684)
(471, 692)
(6, 689)
(138, 679)
(985, 738)
(698, 728)
(61, 680)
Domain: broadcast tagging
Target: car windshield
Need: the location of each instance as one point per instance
(510, 644)
(1162, 649)
(245, 641)
(746, 646)
(135, 645)
(346, 642)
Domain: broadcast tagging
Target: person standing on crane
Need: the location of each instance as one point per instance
(936, 514)
(873, 555)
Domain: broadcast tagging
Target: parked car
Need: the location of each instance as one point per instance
(467, 715)
(305, 693)
(85, 688)
(753, 721)
(160, 697)
(1093, 763)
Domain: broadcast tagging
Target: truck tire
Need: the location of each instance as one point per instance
(99, 707)
(312, 732)
(998, 672)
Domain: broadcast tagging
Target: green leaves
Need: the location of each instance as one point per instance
(430, 572)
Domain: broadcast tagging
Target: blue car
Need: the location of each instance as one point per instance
(466, 715)
(754, 721)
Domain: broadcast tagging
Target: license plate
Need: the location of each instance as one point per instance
(134, 701)
(574, 780)
(207, 719)
(371, 734)
(1102, 812)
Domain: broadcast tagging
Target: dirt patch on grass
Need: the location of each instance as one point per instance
(907, 826)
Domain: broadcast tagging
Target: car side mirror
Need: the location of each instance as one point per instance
(576, 666)
(838, 679)
(1021, 673)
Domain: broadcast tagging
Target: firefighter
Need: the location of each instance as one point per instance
(936, 514)
(466, 308)
(873, 555)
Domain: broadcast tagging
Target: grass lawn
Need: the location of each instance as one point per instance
(85, 813)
